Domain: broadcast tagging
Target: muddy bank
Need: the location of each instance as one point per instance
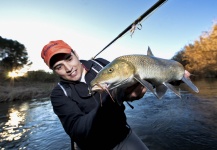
(24, 90)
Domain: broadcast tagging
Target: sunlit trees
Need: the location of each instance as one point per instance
(179, 57)
(13, 55)
(200, 58)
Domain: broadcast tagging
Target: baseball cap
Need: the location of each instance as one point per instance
(52, 48)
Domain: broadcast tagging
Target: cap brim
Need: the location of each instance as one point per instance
(54, 52)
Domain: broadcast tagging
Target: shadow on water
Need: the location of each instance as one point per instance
(167, 124)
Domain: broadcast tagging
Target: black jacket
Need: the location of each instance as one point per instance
(89, 124)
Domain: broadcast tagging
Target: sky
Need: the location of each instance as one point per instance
(89, 25)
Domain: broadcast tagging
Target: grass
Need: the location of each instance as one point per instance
(24, 90)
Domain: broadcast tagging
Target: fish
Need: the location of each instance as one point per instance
(154, 73)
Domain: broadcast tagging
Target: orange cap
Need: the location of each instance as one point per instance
(52, 48)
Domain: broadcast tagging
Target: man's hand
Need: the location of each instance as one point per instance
(134, 92)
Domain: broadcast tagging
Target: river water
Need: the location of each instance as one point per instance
(171, 123)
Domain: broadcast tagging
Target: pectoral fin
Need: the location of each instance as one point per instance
(171, 87)
(145, 84)
(161, 90)
(190, 84)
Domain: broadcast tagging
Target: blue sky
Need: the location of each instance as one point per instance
(89, 25)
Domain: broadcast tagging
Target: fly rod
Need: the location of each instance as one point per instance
(131, 26)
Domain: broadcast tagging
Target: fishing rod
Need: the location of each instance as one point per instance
(134, 24)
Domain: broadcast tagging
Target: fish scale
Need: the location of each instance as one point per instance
(154, 67)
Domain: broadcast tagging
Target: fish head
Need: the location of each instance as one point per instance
(115, 74)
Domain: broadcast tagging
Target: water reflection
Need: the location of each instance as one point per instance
(31, 125)
(207, 88)
(12, 129)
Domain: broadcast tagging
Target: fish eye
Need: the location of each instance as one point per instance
(110, 69)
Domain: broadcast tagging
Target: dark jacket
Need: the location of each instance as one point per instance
(89, 124)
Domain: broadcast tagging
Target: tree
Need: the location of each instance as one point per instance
(200, 58)
(13, 55)
(179, 57)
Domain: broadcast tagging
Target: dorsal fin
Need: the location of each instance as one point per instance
(149, 52)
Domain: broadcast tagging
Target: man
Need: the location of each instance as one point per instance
(92, 121)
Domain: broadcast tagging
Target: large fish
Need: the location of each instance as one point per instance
(152, 72)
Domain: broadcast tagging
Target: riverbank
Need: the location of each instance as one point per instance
(24, 90)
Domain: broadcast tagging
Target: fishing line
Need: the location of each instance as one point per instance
(134, 24)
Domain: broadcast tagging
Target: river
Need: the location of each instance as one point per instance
(171, 123)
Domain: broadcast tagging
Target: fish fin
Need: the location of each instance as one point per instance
(171, 87)
(190, 84)
(161, 90)
(145, 84)
(149, 52)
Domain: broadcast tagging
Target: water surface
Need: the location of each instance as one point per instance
(167, 124)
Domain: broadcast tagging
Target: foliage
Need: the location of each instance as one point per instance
(13, 55)
(200, 58)
(35, 84)
(179, 57)
(41, 76)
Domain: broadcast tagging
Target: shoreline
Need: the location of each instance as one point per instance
(24, 91)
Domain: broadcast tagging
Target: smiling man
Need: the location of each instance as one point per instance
(92, 121)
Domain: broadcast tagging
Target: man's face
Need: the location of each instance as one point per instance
(68, 67)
